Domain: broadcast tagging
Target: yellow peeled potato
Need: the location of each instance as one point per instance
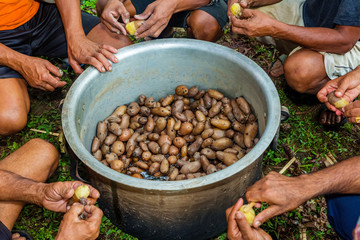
(248, 212)
(236, 10)
(132, 26)
(81, 194)
(337, 102)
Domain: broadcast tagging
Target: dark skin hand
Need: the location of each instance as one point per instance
(72, 227)
(113, 11)
(255, 23)
(352, 112)
(239, 228)
(55, 196)
(347, 87)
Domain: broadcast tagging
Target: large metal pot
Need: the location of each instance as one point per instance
(188, 209)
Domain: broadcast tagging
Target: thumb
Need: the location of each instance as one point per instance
(76, 66)
(148, 11)
(266, 215)
(67, 192)
(244, 226)
(247, 13)
(343, 86)
(76, 209)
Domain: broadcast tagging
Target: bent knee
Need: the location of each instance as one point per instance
(47, 154)
(203, 26)
(12, 122)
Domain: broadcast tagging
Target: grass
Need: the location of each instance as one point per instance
(305, 137)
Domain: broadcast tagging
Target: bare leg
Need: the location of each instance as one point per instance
(305, 71)
(36, 160)
(203, 26)
(14, 105)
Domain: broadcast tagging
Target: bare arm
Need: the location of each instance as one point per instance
(80, 48)
(287, 193)
(256, 23)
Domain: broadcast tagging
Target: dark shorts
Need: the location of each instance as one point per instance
(43, 35)
(218, 10)
(343, 212)
(5, 233)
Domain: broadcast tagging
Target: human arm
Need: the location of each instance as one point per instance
(239, 228)
(250, 3)
(80, 48)
(284, 193)
(157, 15)
(75, 228)
(347, 86)
(39, 73)
(52, 196)
(255, 23)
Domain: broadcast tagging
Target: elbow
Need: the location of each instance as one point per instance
(344, 47)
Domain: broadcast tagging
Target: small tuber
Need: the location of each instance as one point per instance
(236, 10)
(248, 212)
(81, 194)
(132, 26)
(337, 102)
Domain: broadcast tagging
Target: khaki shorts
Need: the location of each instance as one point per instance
(291, 12)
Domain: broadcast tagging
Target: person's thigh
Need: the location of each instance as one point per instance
(36, 160)
(343, 213)
(14, 105)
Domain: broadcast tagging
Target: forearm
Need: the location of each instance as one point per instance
(14, 187)
(71, 17)
(11, 58)
(260, 3)
(342, 178)
(183, 5)
(318, 39)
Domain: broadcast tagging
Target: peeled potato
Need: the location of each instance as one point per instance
(236, 10)
(337, 102)
(132, 26)
(81, 194)
(248, 212)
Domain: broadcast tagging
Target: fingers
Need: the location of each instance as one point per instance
(243, 225)
(231, 216)
(148, 11)
(95, 214)
(75, 66)
(94, 193)
(265, 215)
(352, 112)
(125, 15)
(75, 210)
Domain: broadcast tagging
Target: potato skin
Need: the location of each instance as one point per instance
(181, 90)
(249, 134)
(191, 167)
(222, 143)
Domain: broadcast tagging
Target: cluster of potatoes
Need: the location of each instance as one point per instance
(184, 135)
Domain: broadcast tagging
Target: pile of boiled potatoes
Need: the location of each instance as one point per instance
(185, 135)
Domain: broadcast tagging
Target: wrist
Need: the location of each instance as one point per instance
(311, 187)
(39, 193)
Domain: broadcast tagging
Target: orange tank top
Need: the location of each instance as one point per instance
(14, 13)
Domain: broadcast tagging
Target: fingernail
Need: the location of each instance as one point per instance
(238, 215)
(67, 208)
(115, 60)
(110, 68)
(257, 224)
(103, 69)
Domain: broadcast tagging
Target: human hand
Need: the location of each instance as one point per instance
(82, 50)
(157, 16)
(280, 192)
(40, 73)
(347, 87)
(113, 10)
(243, 4)
(352, 112)
(55, 196)
(253, 23)
(72, 227)
(239, 228)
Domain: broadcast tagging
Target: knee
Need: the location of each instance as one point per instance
(47, 155)
(298, 75)
(12, 122)
(203, 26)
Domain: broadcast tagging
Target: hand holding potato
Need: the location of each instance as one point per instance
(239, 228)
(347, 87)
(55, 196)
(111, 14)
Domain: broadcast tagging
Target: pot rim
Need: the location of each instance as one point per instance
(272, 120)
